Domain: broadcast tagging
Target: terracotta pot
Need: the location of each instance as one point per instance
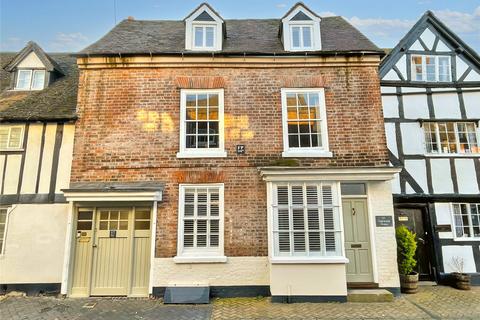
(409, 283)
(461, 281)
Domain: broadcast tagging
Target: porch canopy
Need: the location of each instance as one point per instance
(114, 191)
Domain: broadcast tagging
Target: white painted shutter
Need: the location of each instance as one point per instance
(328, 218)
(314, 242)
(283, 219)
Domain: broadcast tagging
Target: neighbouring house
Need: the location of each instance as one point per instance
(222, 157)
(38, 94)
(431, 104)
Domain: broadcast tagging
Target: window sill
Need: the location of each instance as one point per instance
(202, 154)
(307, 154)
(200, 259)
(12, 150)
(309, 260)
(446, 155)
(472, 239)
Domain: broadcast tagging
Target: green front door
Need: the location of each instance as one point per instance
(357, 241)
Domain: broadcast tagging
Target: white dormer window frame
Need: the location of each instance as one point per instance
(313, 25)
(190, 27)
(35, 79)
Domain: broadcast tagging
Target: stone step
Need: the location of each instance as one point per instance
(369, 295)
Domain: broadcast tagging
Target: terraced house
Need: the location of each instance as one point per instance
(38, 95)
(221, 157)
(431, 101)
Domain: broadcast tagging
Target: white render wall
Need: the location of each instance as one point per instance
(34, 244)
(237, 271)
(380, 203)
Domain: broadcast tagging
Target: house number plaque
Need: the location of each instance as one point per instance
(240, 149)
(113, 233)
(384, 221)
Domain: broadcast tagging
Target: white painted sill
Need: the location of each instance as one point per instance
(447, 155)
(307, 154)
(12, 150)
(309, 260)
(465, 239)
(202, 154)
(200, 259)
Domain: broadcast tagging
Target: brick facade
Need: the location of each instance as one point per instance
(128, 130)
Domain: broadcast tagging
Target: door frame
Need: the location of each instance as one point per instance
(427, 226)
(371, 233)
(69, 260)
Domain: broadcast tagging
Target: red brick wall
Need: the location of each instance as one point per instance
(128, 130)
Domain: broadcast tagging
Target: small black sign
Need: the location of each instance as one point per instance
(113, 233)
(240, 149)
(384, 221)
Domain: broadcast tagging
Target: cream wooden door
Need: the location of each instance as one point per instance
(357, 241)
(82, 258)
(111, 252)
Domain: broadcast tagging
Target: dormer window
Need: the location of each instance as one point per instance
(204, 30)
(301, 37)
(204, 37)
(301, 30)
(431, 68)
(28, 79)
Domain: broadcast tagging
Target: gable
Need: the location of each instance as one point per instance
(204, 16)
(31, 61)
(300, 16)
(430, 37)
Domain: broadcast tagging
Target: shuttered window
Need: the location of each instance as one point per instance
(201, 219)
(3, 224)
(11, 137)
(306, 220)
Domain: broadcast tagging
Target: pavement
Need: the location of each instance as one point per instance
(435, 302)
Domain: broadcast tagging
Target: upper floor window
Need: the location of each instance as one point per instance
(431, 68)
(451, 137)
(301, 37)
(200, 228)
(204, 36)
(466, 220)
(201, 128)
(304, 123)
(11, 137)
(306, 220)
(28, 79)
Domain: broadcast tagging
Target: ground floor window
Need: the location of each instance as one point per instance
(306, 220)
(466, 219)
(201, 220)
(3, 227)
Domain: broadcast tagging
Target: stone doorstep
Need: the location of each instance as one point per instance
(369, 295)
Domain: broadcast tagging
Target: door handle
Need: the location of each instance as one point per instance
(94, 245)
(421, 240)
(353, 211)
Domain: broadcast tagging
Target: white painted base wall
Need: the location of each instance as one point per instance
(34, 244)
(237, 271)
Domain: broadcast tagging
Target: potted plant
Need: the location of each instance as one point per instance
(460, 280)
(406, 248)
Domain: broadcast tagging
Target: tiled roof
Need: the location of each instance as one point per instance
(251, 36)
(56, 102)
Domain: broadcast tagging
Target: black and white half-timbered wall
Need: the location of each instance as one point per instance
(431, 102)
(37, 113)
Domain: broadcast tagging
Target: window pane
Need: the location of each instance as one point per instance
(444, 68)
(209, 36)
(295, 37)
(24, 77)
(353, 188)
(15, 137)
(198, 37)
(213, 100)
(307, 37)
(417, 68)
(430, 63)
(38, 79)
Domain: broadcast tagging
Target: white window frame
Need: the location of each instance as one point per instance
(322, 151)
(470, 224)
(190, 24)
(200, 255)
(457, 139)
(301, 26)
(424, 67)
(185, 152)
(204, 26)
(20, 146)
(32, 73)
(314, 23)
(305, 259)
(2, 247)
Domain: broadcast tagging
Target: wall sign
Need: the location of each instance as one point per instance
(240, 149)
(113, 233)
(384, 221)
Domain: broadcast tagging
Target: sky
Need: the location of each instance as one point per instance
(69, 26)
